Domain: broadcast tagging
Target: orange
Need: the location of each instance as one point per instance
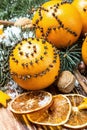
(78, 118)
(81, 6)
(84, 51)
(58, 22)
(1, 29)
(57, 114)
(30, 101)
(34, 63)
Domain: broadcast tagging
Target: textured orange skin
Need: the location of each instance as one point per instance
(80, 5)
(1, 29)
(84, 51)
(34, 83)
(69, 16)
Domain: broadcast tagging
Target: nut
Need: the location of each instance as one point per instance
(66, 82)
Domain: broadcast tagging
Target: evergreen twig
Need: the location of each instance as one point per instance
(70, 57)
(18, 8)
(4, 69)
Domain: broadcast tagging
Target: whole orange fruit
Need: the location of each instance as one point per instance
(34, 63)
(1, 29)
(84, 51)
(81, 6)
(58, 22)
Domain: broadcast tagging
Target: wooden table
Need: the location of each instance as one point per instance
(10, 121)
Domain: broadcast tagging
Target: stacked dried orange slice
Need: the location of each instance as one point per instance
(30, 101)
(57, 114)
(78, 117)
(44, 108)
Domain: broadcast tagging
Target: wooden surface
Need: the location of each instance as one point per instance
(10, 121)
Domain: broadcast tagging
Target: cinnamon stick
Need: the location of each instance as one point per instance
(7, 23)
(21, 22)
(79, 77)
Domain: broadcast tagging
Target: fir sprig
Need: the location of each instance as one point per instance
(17, 8)
(4, 69)
(70, 57)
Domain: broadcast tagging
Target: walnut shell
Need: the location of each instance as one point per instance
(66, 82)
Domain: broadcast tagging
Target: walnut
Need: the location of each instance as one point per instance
(66, 82)
(23, 22)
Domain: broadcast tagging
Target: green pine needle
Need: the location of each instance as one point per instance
(4, 69)
(17, 8)
(70, 57)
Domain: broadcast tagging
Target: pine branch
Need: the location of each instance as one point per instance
(4, 69)
(19, 8)
(70, 57)
(16, 8)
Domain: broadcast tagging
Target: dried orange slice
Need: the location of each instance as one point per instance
(83, 105)
(57, 114)
(78, 118)
(30, 101)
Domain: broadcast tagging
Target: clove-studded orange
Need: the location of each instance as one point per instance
(58, 22)
(81, 6)
(84, 50)
(34, 63)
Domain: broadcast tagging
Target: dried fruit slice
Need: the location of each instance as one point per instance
(30, 102)
(83, 105)
(78, 118)
(57, 114)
